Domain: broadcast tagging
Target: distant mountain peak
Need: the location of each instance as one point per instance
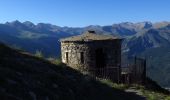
(28, 23)
(144, 25)
(16, 22)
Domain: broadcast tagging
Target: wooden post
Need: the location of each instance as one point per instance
(144, 72)
(135, 77)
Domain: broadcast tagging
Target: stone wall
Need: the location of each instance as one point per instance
(74, 52)
(111, 50)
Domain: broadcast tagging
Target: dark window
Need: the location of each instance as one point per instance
(66, 57)
(100, 58)
(82, 57)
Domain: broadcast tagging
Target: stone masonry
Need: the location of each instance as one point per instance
(98, 54)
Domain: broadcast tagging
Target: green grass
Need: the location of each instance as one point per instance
(21, 74)
(56, 61)
(114, 85)
(149, 94)
(167, 98)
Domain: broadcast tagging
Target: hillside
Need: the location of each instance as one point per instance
(25, 77)
(138, 39)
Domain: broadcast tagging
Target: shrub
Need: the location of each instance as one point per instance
(39, 54)
(56, 61)
(167, 98)
(152, 97)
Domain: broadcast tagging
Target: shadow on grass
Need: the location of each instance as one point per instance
(25, 77)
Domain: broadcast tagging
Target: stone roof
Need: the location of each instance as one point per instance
(90, 36)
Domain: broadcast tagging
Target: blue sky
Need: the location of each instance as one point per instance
(78, 13)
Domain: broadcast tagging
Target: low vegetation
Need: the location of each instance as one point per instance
(26, 77)
(139, 90)
(39, 54)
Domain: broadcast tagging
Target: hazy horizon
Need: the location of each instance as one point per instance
(83, 26)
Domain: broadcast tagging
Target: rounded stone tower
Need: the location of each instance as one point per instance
(100, 55)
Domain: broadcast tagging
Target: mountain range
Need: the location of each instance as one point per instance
(144, 39)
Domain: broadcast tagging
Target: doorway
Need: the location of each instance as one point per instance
(100, 58)
(100, 70)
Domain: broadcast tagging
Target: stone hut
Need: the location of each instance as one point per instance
(99, 55)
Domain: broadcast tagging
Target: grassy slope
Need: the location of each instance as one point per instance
(151, 91)
(24, 77)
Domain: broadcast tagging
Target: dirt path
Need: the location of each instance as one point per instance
(137, 92)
